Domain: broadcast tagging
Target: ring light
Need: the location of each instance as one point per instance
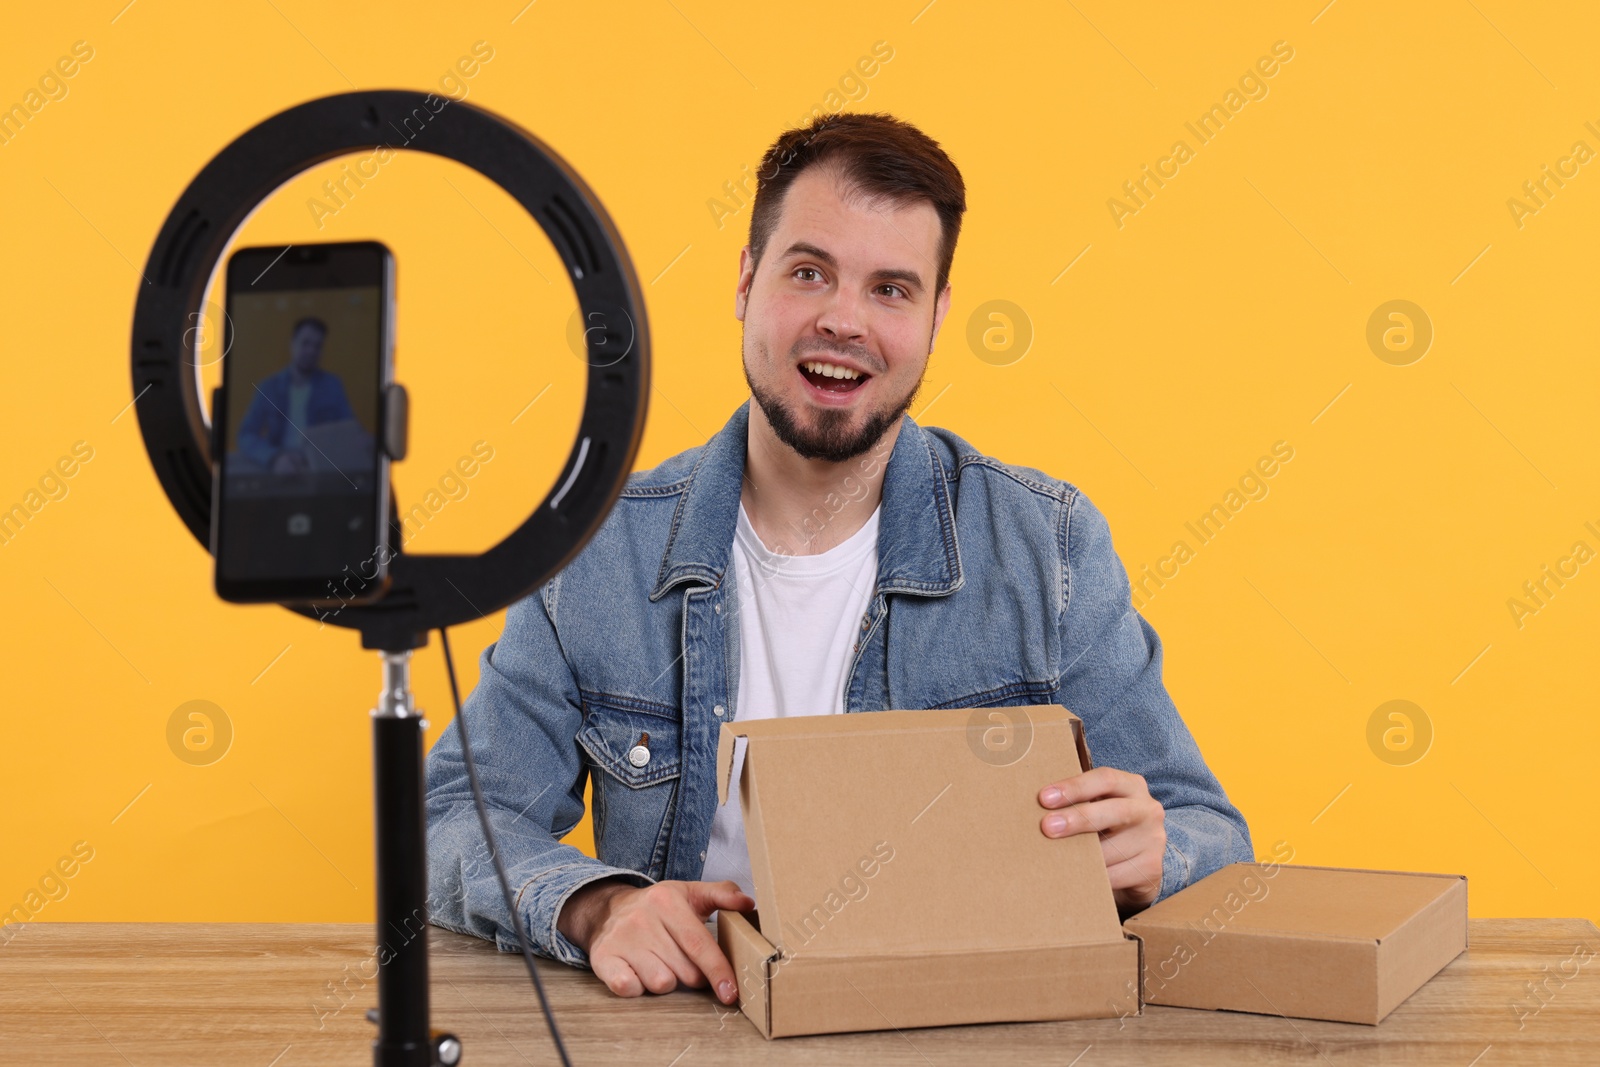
(428, 591)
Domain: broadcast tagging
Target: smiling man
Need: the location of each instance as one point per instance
(822, 553)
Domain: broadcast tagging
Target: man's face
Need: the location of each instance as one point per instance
(839, 319)
(305, 348)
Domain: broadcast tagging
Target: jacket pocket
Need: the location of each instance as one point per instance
(635, 792)
(1004, 695)
(636, 748)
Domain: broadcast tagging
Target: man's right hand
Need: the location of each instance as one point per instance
(653, 937)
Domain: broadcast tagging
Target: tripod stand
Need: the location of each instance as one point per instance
(428, 592)
(404, 1037)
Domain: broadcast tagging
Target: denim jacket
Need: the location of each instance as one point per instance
(267, 418)
(997, 586)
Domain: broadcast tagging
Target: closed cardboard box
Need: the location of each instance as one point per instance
(901, 879)
(1311, 942)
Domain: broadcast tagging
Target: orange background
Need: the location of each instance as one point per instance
(1169, 349)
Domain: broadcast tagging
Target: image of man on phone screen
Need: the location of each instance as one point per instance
(291, 401)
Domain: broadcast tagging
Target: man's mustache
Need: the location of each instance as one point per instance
(866, 360)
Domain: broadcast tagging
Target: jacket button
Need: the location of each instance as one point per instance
(719, 711)
(638, 755)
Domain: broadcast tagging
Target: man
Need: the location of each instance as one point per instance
(821, 553)
(286, 404)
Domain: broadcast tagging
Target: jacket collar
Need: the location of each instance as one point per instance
(917, 551)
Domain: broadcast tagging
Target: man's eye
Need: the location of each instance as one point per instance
(896, 288)
(805, 270)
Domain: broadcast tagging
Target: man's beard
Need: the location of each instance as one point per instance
(831, 439)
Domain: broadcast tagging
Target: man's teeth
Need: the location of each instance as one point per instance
(831, 370)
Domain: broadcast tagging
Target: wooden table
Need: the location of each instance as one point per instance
(276, 995)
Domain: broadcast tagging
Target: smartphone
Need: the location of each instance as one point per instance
(300, 498)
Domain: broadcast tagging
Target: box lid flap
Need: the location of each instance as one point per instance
(1321, 902)
(897, 831)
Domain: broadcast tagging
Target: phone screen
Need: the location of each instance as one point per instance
(302, 502)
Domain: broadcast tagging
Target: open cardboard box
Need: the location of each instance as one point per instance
(901, 879)
(1314, 942)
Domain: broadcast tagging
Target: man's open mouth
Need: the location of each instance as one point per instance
(831, 377)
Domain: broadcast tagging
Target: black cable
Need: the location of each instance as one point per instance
(494, 853)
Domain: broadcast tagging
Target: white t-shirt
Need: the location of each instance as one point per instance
(799, 621)
(299, 399)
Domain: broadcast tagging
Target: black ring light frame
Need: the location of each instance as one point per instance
(427, 592)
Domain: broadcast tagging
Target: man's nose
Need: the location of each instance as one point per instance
(842, 318)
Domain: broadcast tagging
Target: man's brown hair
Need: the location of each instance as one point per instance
(876, 154)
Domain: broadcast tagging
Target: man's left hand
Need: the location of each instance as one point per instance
(1131, 823)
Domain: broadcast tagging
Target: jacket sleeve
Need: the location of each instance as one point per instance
(1113, 682)
(252, 438)
(523, 716)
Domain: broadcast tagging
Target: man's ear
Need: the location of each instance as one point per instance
(941, 307)
(747, 276)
